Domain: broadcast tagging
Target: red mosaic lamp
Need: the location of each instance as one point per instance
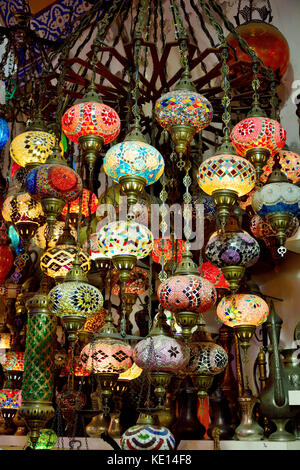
(89, 205)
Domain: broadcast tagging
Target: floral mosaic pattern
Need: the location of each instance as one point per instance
(226, 172)
(187, 293)
(232, 249)
(258, 132)
(242, 309)
(207, 358)
(161, 353)
(213, 275)
(54, 181)
(183, 107)
(130, 238)
(10, 398)
(4, 132)
(106, 355)
(277, 197)
(134, 158)
(74, 298)
(32, 147)
(290, 166)
(147, 437)
(91, 119)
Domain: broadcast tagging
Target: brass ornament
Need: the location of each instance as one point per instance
(187, 321)
(224, 200)
(258, 157)
(124, 264)
(160, 380)
(244, 334)
(182, 135)
(233, 275)
(202, 383)
(280, 223)
(132, 186)
(52, 207)
(90, 146)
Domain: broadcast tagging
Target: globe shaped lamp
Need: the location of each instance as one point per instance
(42, 239)
(278, 201)
(32, 148)
(4, 133)
(214, 275)
(92, 124)
(290, 165)
(89, 205)
(207, 359)
(183, 112)
(74, 300)
(226, 177)
(134, 164)
(243, 312)
(257, 138)
(263, 230)
(46, 441)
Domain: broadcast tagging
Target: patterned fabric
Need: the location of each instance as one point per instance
(58, 261)
(4, 132)
(187, 293)
(147, 437)
(232, 249)
(262, 229)
(161, 353)
(134, 158)
(22, 207)
(258, 132)
(207, 358)
(242, 309)
(138, 282)
(290, 166)
(47, 439)
(277, 197)
(12, 360)
(32, 147)
(183, 107)
(89, 204)
(130, 238)
(106, 355)
(226, 172)
(54, 181)
(91, 119)
(170, 251)
(74, 298)
(10, 398)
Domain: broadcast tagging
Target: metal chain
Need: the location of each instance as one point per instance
(163, 225)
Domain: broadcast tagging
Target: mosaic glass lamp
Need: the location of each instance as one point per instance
(4, 132)
(290, 165)
(243, 312)
(25, 213)
(46, 441)
(278, 201)
(91, 124)
(183, 112)
(41, 237)
(168, 250)
(207, 359)
(74, 300)
(147, 435)
(134, 164)
(89, 205)
(214, 275)
(226, 177)
(32, 148)
(262, 229)
(257, 138)
(10, 399)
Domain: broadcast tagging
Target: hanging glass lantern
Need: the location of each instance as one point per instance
(91, 123)
(257, 138)
(134, 164)
(243, 312)
(32, 148)
(13, 361)
(137, 284)
(278, 201)
(213, 275)
(147, 435)
(167, 249)
(226, 177)
(95, 321)
(290, 165)
(130, 374)
(89, 205)
(10, 399)
(4, 132)
(262, 229)
(41, 238)
(183, 112)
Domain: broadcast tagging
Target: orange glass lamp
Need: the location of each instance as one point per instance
(89, 205)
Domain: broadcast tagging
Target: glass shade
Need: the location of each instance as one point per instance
(95, 321)
(78, 370)
(277, 197)
(207, 358)
(89, 204)
(290, 166)
(40, 238)
(258, 132)
(125, 238)
(134, 158)
(147, 437)
(12, 360)
(58, 261)
(32, 147)
(6, 261)
(262, 229)
(130, 374)
(214, 275)
(232, 249)
(47, 439)
(169, 252)
(21, 207)
(187, 293)
(183, 107)
(74, 298)
(226, 172)
(91, 119)
(161, 354)
(138, 282)
(106, 355)
(4, 132)
(52, 180)
(14, 237)
(242, 309)
(11, 399)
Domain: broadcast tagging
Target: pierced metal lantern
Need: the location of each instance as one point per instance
(4, 132)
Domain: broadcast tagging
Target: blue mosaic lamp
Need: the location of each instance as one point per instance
(278, 202)
(4, 132)
(134, 164)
